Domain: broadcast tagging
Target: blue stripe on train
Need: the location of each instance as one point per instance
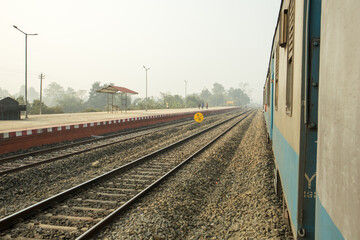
(288, 163)
(325, 227)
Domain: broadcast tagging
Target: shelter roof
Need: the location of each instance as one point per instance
(115, 89)
(8, 101)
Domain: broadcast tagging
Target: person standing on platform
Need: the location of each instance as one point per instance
(207, 105)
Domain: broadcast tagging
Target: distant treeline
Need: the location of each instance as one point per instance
(58, 100)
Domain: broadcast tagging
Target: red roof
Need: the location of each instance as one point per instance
(115, 89)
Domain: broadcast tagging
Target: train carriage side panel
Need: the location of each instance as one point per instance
(338, 165)
(287, 105)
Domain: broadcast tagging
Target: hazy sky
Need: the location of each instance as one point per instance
(83, 41)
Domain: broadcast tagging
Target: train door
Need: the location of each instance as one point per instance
(308, 152)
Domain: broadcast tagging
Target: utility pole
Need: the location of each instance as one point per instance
(185, 91)
(146, 69)
(26, 35)
(41, 77)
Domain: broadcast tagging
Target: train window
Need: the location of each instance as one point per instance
(291, 29)
(283, 28)
(277, 60)
(290, 64)
(289, 87)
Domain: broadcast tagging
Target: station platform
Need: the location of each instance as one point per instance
(43, 129)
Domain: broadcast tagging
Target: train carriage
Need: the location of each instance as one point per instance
(301, 133)
(307, 111)
(296, 35)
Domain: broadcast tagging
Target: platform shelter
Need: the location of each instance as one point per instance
(10, 109)
(111, 91)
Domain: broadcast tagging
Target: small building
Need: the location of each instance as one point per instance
(230, 103)
(110, 91)
(10, 109)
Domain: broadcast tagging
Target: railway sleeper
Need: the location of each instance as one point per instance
(95, 201)
(124, 185)
(73, 218)
(54, 227)
(151, 169)
(138, 176)
(119, 189)
(115, 195)
(86, 209)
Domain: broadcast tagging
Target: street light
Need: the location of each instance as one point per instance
(26, 34)
(185, 91)
(146, 69)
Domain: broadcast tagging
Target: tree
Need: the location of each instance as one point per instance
(4, 93)
(70, 102)
(238, 96)
(193, 100)
(218, 94)
(205, 95)
(20, 99)
(81, 94)
(35, 108)
(174, 101)
(96, 100)
(21, 91)
(53, 93)
(152, 103)
(33, 94)
(137, 103)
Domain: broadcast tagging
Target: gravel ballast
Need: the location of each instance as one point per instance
(226, 192)
(22, 189)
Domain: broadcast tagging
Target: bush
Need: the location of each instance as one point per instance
(91, 110)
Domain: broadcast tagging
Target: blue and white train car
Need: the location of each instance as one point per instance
(311, 108)
(292, 122)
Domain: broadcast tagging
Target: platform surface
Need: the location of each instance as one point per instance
(51, 120)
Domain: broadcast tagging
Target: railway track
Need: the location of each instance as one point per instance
(27, 160)
(82, 210)
(22, 189)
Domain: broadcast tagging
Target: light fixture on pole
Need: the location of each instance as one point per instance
(146, 69)
(26, 34)
(185, 91)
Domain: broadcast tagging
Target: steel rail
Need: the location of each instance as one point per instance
(14, 218)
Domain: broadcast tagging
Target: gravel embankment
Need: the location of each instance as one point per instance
(225, 193)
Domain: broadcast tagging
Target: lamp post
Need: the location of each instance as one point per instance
(185, 91)
(146, 69)
(26, 34)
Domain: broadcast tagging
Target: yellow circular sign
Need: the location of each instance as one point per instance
(199, 117)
